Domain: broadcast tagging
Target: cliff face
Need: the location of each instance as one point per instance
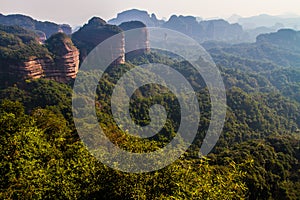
(66, 58)
(23, 57)
(61, 69)
(185, 24)
(137, 38)
(33, 68)
(30, 69)
(221, 30)
(95, 32)
(217, 30)
(136, 15)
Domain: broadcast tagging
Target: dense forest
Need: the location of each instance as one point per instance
(257, 156)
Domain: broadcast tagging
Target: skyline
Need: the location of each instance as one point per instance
(77, 13)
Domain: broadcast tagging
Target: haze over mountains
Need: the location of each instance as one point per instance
(218, 36)
(42, 156)
(241, 29)
(235, 29)
(45, 29)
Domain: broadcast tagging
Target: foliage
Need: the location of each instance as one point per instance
(17, 45)
(257, 156)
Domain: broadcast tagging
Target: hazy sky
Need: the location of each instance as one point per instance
(76, 12)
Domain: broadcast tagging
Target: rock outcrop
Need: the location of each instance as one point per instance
(66, 58)
(137, 38)
(33, 68)
(23, 57)
(211, 30)
(136, 15)
(95, 32)
(221, 30)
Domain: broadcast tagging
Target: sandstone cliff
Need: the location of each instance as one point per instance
(211, 30)
(95, 32)
(137, 15)
(66, 58)
(137, 37)
(23, 57)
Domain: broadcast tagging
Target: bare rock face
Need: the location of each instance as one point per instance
(95, 32)
(30, 69)
(34, 68)
(23, 57)
(137, 38)
(62, 68)
(66, 58)
(136, 15)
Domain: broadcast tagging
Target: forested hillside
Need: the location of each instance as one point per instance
(256, 157)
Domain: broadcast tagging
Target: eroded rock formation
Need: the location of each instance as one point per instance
(95, 32)
(137, 38)
(66, 58)
(23, 57)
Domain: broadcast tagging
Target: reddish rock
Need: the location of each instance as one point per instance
(136, 38)
(95, 32)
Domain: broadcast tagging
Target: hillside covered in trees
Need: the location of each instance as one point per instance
(256, 157)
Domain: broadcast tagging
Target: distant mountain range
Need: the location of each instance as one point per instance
(23, 54)
(237, 29)
(281, 48)
(219, 30)
(269, 21)
(43, 29)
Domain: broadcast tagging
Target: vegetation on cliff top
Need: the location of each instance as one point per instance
(18, 45)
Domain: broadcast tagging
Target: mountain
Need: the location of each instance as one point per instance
(137, 37)
(96, 31)
(184, 24)
(269, 21)
(48, 28)
(253, 33)
(236, 30)
(22, 56)
(45, 156)
(234, 18)
(66, 58)
(285, 38)
(280, 48)
(136, 15)
(217, 30)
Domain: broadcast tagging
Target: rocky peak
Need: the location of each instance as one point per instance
(96, 21)
(136, 15)
(66, 58)
(23, 57)
(60, 44)
(95, 32)
(137, 39)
